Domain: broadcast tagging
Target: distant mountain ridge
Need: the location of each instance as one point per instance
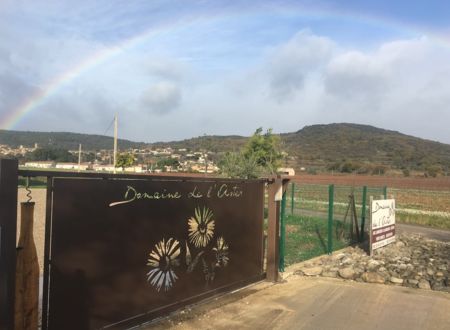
(65, 140)
(320, 146)
(323, 145)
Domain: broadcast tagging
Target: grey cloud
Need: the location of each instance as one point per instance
(81, 111)
(294, 61)
(13, 90)
(161, 97)
(165, 69)
(354, 77)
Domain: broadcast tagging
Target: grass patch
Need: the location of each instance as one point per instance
(34, 182)
(432, 221)
(307, 237)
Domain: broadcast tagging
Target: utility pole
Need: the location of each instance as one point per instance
(115, 143)
(79, 158)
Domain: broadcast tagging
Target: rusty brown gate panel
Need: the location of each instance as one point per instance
(8, 223)
(126, 251)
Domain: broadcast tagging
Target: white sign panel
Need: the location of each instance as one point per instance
(382, 231)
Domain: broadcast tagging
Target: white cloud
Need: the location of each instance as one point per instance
(161, 97)
(402, 85)
(355, 77)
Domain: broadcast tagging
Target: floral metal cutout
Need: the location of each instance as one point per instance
(201, 227)
(162, 260)
(221, 251)
(207, 259)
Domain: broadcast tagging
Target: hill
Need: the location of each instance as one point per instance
(63, 140)
(335, 147)
(213, 143)
(334, 144)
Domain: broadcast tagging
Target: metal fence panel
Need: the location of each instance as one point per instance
(307, 227)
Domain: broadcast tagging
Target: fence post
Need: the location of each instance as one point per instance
(385, 192)
(363, 212)
(273, 230)
(330, 217)
(292, 198)
(8, 228)
(282, 233)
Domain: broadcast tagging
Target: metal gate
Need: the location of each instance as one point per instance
(120, 252)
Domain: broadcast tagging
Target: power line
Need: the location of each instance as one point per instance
(112, 122)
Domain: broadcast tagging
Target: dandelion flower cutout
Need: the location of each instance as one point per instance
(162, 260)
(201, 227)
(221, 251)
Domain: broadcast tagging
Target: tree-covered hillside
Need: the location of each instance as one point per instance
(63, 140)
(335, 144)
(334, 147)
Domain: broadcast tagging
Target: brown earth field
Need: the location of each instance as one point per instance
(438, 183)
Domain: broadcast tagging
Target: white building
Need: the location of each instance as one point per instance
(72, 166)
(106, 168)
(286, 171)
(40, 164)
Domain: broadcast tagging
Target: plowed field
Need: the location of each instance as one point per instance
(440, 183)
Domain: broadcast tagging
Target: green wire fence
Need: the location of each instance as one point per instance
(320, 219)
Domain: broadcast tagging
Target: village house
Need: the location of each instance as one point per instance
(40, 164)
(73, 166)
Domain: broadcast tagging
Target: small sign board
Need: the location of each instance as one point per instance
(382, 223)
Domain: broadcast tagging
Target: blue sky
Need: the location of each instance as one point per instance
(179, 69)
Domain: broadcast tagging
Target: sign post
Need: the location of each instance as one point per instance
(382, 223)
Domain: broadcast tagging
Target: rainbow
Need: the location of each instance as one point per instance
(11, 119)
(50, 88)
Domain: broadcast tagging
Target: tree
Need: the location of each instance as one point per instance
(236, 165)
(125, 160)
(265, 148)
(52, 154)
(260, 156)
(206, 146)
(433, 170)
(169, 162)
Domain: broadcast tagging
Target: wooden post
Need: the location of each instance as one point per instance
(8, 229)
(27, 273)
(275, 192)
(285, 183)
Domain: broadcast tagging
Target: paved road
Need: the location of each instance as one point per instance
(321, 303)
(432, 233)
(437, 234)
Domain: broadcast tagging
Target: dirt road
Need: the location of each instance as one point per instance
(437, 234)
(320, 303)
